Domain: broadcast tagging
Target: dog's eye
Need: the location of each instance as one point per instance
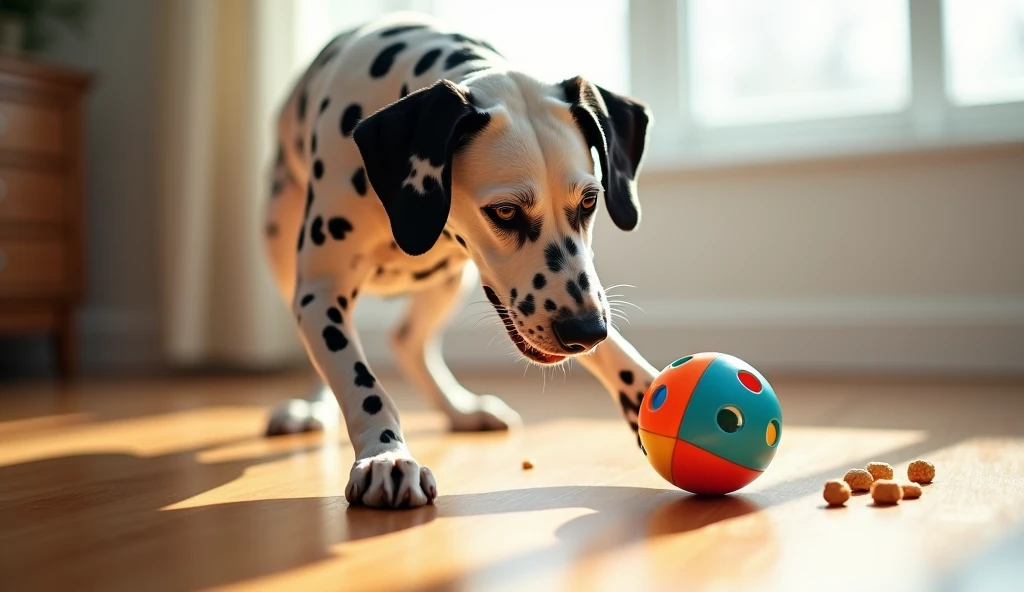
(505, 212)
(589, 202)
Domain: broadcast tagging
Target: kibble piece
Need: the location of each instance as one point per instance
(886, 491)
(528, 464)
(921, 471)
(911, 490)
(837, 492)
(879, 470)
(859, 479)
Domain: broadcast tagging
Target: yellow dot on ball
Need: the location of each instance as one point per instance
(771, 434)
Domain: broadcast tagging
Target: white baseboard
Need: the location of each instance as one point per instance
(949, 337)
(898, 336)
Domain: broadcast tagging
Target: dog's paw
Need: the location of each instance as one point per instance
(299, 415)
(484, 413)
(390, 480)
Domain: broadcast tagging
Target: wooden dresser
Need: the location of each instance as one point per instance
(41, 192)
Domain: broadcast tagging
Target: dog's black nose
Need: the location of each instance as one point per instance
(578, 334)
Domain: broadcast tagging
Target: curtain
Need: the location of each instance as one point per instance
(227, 66)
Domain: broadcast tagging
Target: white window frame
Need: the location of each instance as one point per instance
(658, 73)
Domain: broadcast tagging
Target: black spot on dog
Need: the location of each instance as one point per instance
(318, 167)
(571, 247)
(530, 331)
(424, 274)
(316, 231)
(426, 62)
(550, 306)
(372, 404)
(338, 227)
(574, 291)
(350, 117)
(324, 104)
(540, 328)
(539, 281)
(302, 236)
(359, 181)
(399, 30)
(271, 230)
(446, 234)
(554, 257)
(385, 59)
(460, 38)
(460, 56)
(334, 339)
(312, 149)
(306, 300)
(584, 282)
(527, 306)
(514, 294)
(355, 292)
(334, 314)
(565, 311)
(404, 92)
(627, 404)
(634, 426)
(363, 377)
(387, 436)
(461, 241)
(301, 105)
(626, 376)
(380, 270)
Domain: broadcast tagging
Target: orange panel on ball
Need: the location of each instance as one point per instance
(663, 413)
(698, 471)
(659, 452)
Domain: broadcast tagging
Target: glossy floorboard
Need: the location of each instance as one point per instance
(166, 485)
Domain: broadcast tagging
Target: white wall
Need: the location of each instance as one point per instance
(906, 262)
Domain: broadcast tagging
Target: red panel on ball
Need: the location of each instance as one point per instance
(680, 382)
(698, 471)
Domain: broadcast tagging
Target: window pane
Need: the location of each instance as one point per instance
(984, 50)
(551, 39)
(759, 61)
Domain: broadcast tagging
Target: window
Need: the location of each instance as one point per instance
(984, 51)
(753, 62)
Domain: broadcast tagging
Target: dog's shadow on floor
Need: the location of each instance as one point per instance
(101, 521)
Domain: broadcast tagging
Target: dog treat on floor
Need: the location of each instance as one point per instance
(859, 479)
(528, 464)
(886, 491)
(837, 492)
(921, 471)
(911, 490)
(879, 470)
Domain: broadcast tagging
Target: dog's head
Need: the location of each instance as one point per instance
(516, 169)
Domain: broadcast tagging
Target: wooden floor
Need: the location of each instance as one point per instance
(167, 485)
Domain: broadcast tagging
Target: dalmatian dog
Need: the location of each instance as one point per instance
(416, 160)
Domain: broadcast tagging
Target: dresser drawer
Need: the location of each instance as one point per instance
(27, 196)
(32, 267)
(31, 128)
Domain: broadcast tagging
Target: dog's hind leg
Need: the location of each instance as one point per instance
(625, 374)
(416, 343)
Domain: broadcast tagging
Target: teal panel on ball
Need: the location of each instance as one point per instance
(718, 395)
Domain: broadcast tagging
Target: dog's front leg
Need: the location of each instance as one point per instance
(384, 473)
(624, 373)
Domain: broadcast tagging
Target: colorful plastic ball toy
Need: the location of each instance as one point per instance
(710, 423)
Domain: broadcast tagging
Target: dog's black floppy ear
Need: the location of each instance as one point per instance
(616, 127)
(407, 150)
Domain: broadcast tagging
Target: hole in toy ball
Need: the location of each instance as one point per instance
(730, 419)
(681, 361)
(771, 435)
(658, 398)
(750, 381)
